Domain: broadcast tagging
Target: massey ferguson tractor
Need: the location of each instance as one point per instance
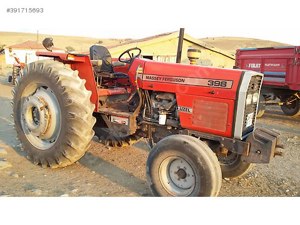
(199, 121)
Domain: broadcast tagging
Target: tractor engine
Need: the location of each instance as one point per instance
(161, 109)
(164, 107)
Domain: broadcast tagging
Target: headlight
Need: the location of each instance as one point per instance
(255, 97)
(249, 99)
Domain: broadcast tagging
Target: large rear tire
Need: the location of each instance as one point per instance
(53, 114)
(181, 165)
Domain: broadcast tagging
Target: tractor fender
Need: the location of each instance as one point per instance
(83, 65)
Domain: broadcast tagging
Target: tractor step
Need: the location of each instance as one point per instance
(112, 91)
(120, 120)
(114, 112)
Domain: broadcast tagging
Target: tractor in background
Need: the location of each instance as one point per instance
(18, 67)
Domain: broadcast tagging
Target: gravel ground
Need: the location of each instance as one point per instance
(121, 172)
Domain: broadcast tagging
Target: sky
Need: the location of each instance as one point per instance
(269, 20)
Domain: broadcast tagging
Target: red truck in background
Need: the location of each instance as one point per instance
(281, 69)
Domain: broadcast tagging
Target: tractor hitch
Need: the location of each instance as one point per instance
(263, 146)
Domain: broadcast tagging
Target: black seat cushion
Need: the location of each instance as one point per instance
(98, 52)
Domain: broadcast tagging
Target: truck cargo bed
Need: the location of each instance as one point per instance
(280, 65)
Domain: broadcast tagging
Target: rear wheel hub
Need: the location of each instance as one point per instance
(41, 118)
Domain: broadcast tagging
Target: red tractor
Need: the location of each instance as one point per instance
(199, 121)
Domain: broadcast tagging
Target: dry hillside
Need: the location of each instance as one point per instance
(228, 44)
(231, 44)
(78, 43)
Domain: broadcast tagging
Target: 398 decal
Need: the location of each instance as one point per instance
(219, 83)
(194, 81)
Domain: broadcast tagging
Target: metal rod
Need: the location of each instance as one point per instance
(179, 48)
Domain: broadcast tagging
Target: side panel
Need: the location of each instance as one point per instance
(206, 114)
(191, 80)
(205, 96)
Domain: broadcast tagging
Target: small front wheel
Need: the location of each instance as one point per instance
(181, 165)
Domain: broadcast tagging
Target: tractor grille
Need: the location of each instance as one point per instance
(210, 115)
(250, 109)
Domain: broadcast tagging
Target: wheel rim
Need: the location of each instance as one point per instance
(177, 176)
(40, 116)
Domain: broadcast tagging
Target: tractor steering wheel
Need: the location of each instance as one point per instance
(132, 53)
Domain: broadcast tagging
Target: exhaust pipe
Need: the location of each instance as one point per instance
(179, 47)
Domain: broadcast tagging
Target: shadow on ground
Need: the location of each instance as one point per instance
(7, 130)
(115, 174)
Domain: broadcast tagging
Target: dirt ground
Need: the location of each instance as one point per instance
(121, 171)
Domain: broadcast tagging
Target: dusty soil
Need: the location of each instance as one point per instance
(121, 171)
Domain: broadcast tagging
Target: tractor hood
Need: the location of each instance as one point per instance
(191, 79)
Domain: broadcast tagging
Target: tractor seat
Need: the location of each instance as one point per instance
(104, 68)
